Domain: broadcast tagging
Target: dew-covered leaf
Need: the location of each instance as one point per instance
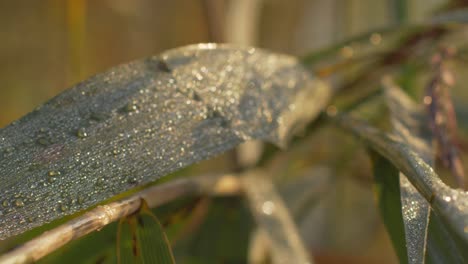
(451, 205)
(423, 229)
(140, 121)
(409, 123)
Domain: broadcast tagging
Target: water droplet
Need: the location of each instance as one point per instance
(63, 207)
(54, 173)
(100, 182)
(19, 203)
(132, 180)
(268, 207)
(375, 39)
(130, 107)
(81, 133)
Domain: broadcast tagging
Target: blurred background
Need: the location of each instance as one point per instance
(48, 46)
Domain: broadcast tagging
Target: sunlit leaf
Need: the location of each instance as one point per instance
(424, 231)
(451, 205)
(142, 239)
(142, 120)
(409, 123)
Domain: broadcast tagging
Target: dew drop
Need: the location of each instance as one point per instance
(268, 207)
(19, 203)
(81, 133)
(54, 173)
(63, 207)
(130, 107)
(132, 180)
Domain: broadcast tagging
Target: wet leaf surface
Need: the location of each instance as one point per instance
(140, 121)
(426, 236)
(410, 123)
(451, 205)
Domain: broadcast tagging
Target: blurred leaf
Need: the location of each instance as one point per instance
(143, 120)
(142, 239)
(221, 237)
(387, 187)
(274, 219)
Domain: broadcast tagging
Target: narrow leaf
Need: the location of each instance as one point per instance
(426, 236)
(450, 204)
(387, 188)
(142, 240)
(409, 123)
(140, 121)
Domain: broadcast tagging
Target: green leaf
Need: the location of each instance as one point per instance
(422, 227)
(142, 239)
(409, 123)
(141, 121)
(387, 188)
(451, 205)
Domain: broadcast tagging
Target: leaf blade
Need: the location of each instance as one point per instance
(143, 120)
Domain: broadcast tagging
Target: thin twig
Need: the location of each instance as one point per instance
(103, 215)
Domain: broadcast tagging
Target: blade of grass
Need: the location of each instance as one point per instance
(387, 188)
(450, 204)
(143, 240)
(409, 123)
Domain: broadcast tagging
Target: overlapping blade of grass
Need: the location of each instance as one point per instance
(143, 120)
(387, 188)
(410, 124)
(451, 205)
(423, 230)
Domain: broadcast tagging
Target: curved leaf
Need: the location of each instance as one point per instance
(451, 205)
(409, 123)
(142, 120)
